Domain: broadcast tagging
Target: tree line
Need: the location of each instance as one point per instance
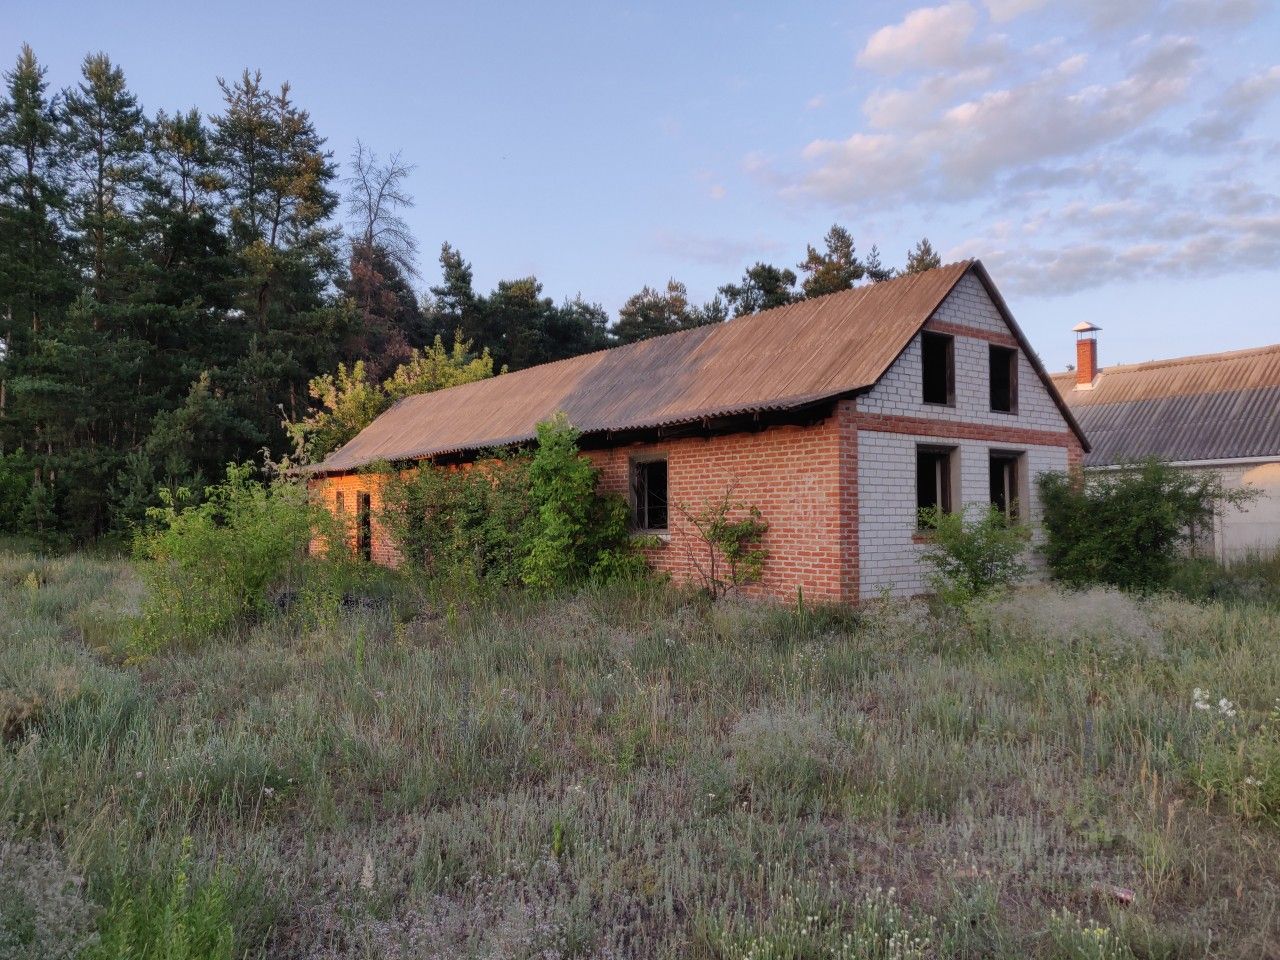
(181, 291)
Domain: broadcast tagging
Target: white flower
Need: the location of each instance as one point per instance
(268, 792)
(1226, 707)
(1251, 782)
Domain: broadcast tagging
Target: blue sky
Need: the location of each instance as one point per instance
(1109, 161)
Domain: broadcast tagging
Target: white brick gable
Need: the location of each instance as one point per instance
(889, 555)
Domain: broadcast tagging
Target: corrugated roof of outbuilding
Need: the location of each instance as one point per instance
(1217, 406)
(781, 359)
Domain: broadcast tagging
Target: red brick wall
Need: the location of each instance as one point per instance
(803, 479)
(797, 478)
(324, 490)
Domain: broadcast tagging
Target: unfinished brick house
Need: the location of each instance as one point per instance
(838, 417)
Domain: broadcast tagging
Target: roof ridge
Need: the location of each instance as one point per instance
(578, 357)
(1188, 360)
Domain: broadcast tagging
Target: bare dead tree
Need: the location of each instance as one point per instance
(376, 195)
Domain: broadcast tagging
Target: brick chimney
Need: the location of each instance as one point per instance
(1086, 354)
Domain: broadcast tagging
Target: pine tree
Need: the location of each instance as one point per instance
(763, 287)
(835, 270)
(651, 313)
(876, 271)
(107, 137)
(36, 276)
(922, 258)
(454, 306)
(279, 186)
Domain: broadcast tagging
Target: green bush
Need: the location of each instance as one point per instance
(1126, 527)
(511, 519)
(973, 556)
(1252, 579)
(213, 566)
(168, 919)
(460, 525)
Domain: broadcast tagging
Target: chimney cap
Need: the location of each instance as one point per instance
(1084, 326)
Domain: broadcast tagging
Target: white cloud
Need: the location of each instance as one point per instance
(1002, 11)
(1108, 152)
(964, 147)
(927, 38)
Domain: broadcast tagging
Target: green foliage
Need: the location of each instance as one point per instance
(169, 918)
(651, 313)
(1235, 761)
(1252, 579)
(15, 489)
(570, 525)
(973, 556)
(922, 257)
(349, 401)
(460, 525)
(1126, 527)
(837, 269)
(212, 566)
(728, 553)
(512, 519)
(763, 287)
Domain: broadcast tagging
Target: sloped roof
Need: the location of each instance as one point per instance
(1216, 406)
(781, 359)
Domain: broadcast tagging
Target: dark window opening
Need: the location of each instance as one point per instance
(933, 479)
(339, 504)
(649, 486)
(364, 527)
(937, 363)
(1004, 379)
(1004, 483)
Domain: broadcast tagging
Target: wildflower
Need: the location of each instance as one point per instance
(1226, 707)
(669, 642)
(138, 775)
(379, 694)
(1251, 782)
(1200, 698)
(268, 792)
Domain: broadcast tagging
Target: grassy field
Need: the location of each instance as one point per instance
(637, 773)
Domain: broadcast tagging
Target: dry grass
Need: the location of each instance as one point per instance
(636, 773)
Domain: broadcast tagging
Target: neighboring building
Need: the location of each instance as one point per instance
(838, 417)
(1218, 411)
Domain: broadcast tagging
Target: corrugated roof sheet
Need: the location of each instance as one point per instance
(1217, 406)
(780, 359)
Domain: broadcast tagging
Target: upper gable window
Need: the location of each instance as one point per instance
(937, 368)
(1004, 379)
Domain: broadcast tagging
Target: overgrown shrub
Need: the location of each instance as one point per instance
(973, 554)
(725, 550)
(462, 525)
(1126, 527)
(170, 918)
(211, 566)
(509, 519)
(1251, 579)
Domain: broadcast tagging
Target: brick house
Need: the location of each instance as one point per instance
(838, 417)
